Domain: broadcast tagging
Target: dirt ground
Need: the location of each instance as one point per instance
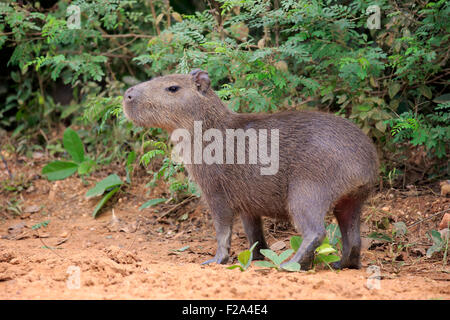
(134, 256)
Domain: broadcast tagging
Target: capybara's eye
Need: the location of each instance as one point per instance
(173, 88)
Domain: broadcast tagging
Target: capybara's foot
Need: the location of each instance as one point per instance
(257, 256)
(219, 259)
(350, 265)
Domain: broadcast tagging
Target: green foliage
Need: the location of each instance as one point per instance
(325, 254)
(245, 259)
(40, 225)
(173, 173)
(399, 230)
(16, 184)
(111, 185)
(152, 202)
(431, 130)
(277, 260)
(110, 181)
(59, 170)
(439, 244)
(129, 165)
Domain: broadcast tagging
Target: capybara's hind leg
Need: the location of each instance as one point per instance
(308, 206)
(254, 231)
(348, 215)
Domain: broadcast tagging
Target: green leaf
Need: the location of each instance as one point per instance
(253, 246)
(394, 89)
(104, 200)
(291, 266)
(436, 237)
(40, 224)
(325, 249)
(245, 258)
(381, 126)
(327, 259)
(426, 91)
(58, 170)
(443, 98)
(110, 181)
(128, 168)
(86, 167)
(434, 248)
(69, 110)
(265, 264)
(152, 202)
(235, 266)
(400, 228)
(380, 237)
(285, 254)
(73, 145)
(271, 256)
(181, 249)
(296, 242)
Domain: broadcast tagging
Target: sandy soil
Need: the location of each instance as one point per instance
(135, 257)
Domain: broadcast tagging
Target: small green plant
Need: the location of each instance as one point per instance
(325, 254)
(59, 170)
(439, 244)
(14, 206)
(245, 259)
(179, 184)
(16, 184)
(129, 165)
(40, 225)
(397, 240)
(111, 185)
(277, 260)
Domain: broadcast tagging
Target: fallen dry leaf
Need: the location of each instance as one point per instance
(445, 222)
(32, 209)
(279, 245)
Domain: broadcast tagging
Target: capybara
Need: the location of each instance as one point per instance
(323, 161)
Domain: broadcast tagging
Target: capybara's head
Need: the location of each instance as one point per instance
(168, 102)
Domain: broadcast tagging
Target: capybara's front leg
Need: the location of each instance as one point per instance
(223, 222)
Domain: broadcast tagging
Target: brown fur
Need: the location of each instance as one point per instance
(325, 161)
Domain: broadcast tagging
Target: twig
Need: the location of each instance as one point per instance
(53, 250)
(6, 166)
(427, 218)
(176, 207)
(127, 35)
(156, 25)
(135, 235)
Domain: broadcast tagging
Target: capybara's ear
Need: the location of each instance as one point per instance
(201, 79)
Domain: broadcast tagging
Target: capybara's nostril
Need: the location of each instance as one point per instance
(130, 94)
